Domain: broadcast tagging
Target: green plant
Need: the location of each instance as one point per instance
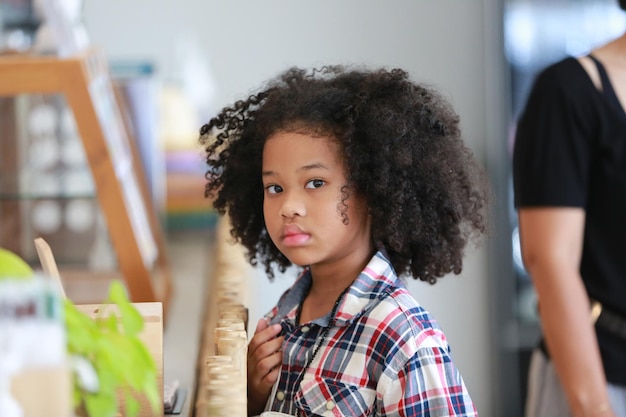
(13, 266)
(111, 345)
(109, 358)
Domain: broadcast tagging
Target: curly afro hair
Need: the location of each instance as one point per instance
(402, 151)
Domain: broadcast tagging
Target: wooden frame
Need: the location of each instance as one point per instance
(121, 187)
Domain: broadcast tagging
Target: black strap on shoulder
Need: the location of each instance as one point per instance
(607, 87)
(604, 77)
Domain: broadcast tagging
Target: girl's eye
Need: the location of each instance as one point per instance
(274, 189)
(316, 183)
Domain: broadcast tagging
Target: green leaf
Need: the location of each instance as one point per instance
(107, 378)
(132, 322)
(132, 405)
(151, 390)
(81, 330)
(77, 396)
(143, 356)
(110, 323)
(101, 404)
(121, 360)
(12, 266)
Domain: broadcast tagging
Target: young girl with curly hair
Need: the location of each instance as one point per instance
(359, 177)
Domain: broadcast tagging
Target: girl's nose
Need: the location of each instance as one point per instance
(292, 206)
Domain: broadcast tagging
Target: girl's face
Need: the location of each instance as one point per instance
(303, 178)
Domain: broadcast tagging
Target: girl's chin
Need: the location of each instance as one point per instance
(298, 260)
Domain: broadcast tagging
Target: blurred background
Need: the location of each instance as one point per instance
(182, 61)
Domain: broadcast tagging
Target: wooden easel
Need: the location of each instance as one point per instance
(121, 186)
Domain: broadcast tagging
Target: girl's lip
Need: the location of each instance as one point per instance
(293, 235)
(292, 229)
(296, 239)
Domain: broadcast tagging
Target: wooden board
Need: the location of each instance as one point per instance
(43, 392)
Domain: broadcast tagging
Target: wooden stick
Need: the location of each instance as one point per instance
(48, 263)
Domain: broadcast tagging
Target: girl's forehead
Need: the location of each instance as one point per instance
(301, 140)
(284, 148)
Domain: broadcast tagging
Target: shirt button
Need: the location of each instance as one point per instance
(305, 329)
(330, 405)
(280, 395)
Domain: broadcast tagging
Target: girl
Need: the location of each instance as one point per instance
(359, 177)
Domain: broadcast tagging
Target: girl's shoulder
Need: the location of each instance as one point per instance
(401, 314)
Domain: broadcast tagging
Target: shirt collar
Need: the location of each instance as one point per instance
(372, 284)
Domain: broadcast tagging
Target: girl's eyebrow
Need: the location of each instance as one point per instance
(315, 165)
(309, 167)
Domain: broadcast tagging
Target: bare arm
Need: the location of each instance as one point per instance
(551, 241)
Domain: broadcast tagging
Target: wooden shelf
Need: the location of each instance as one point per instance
(121, 187)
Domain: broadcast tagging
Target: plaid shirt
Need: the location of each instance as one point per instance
(384, 356)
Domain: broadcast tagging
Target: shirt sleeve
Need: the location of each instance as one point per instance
(552, 149)
(429, 385)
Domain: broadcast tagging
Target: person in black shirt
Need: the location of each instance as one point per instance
(570, 191)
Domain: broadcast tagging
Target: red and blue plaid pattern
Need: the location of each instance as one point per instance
(385, 356)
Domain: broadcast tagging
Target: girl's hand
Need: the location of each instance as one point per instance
(264, 359)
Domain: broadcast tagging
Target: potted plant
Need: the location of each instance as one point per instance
(111, 365)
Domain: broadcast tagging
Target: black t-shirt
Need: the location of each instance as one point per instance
(570, 151)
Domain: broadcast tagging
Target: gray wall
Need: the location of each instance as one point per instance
(451, 44)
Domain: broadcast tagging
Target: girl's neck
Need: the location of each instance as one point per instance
(330, 279)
